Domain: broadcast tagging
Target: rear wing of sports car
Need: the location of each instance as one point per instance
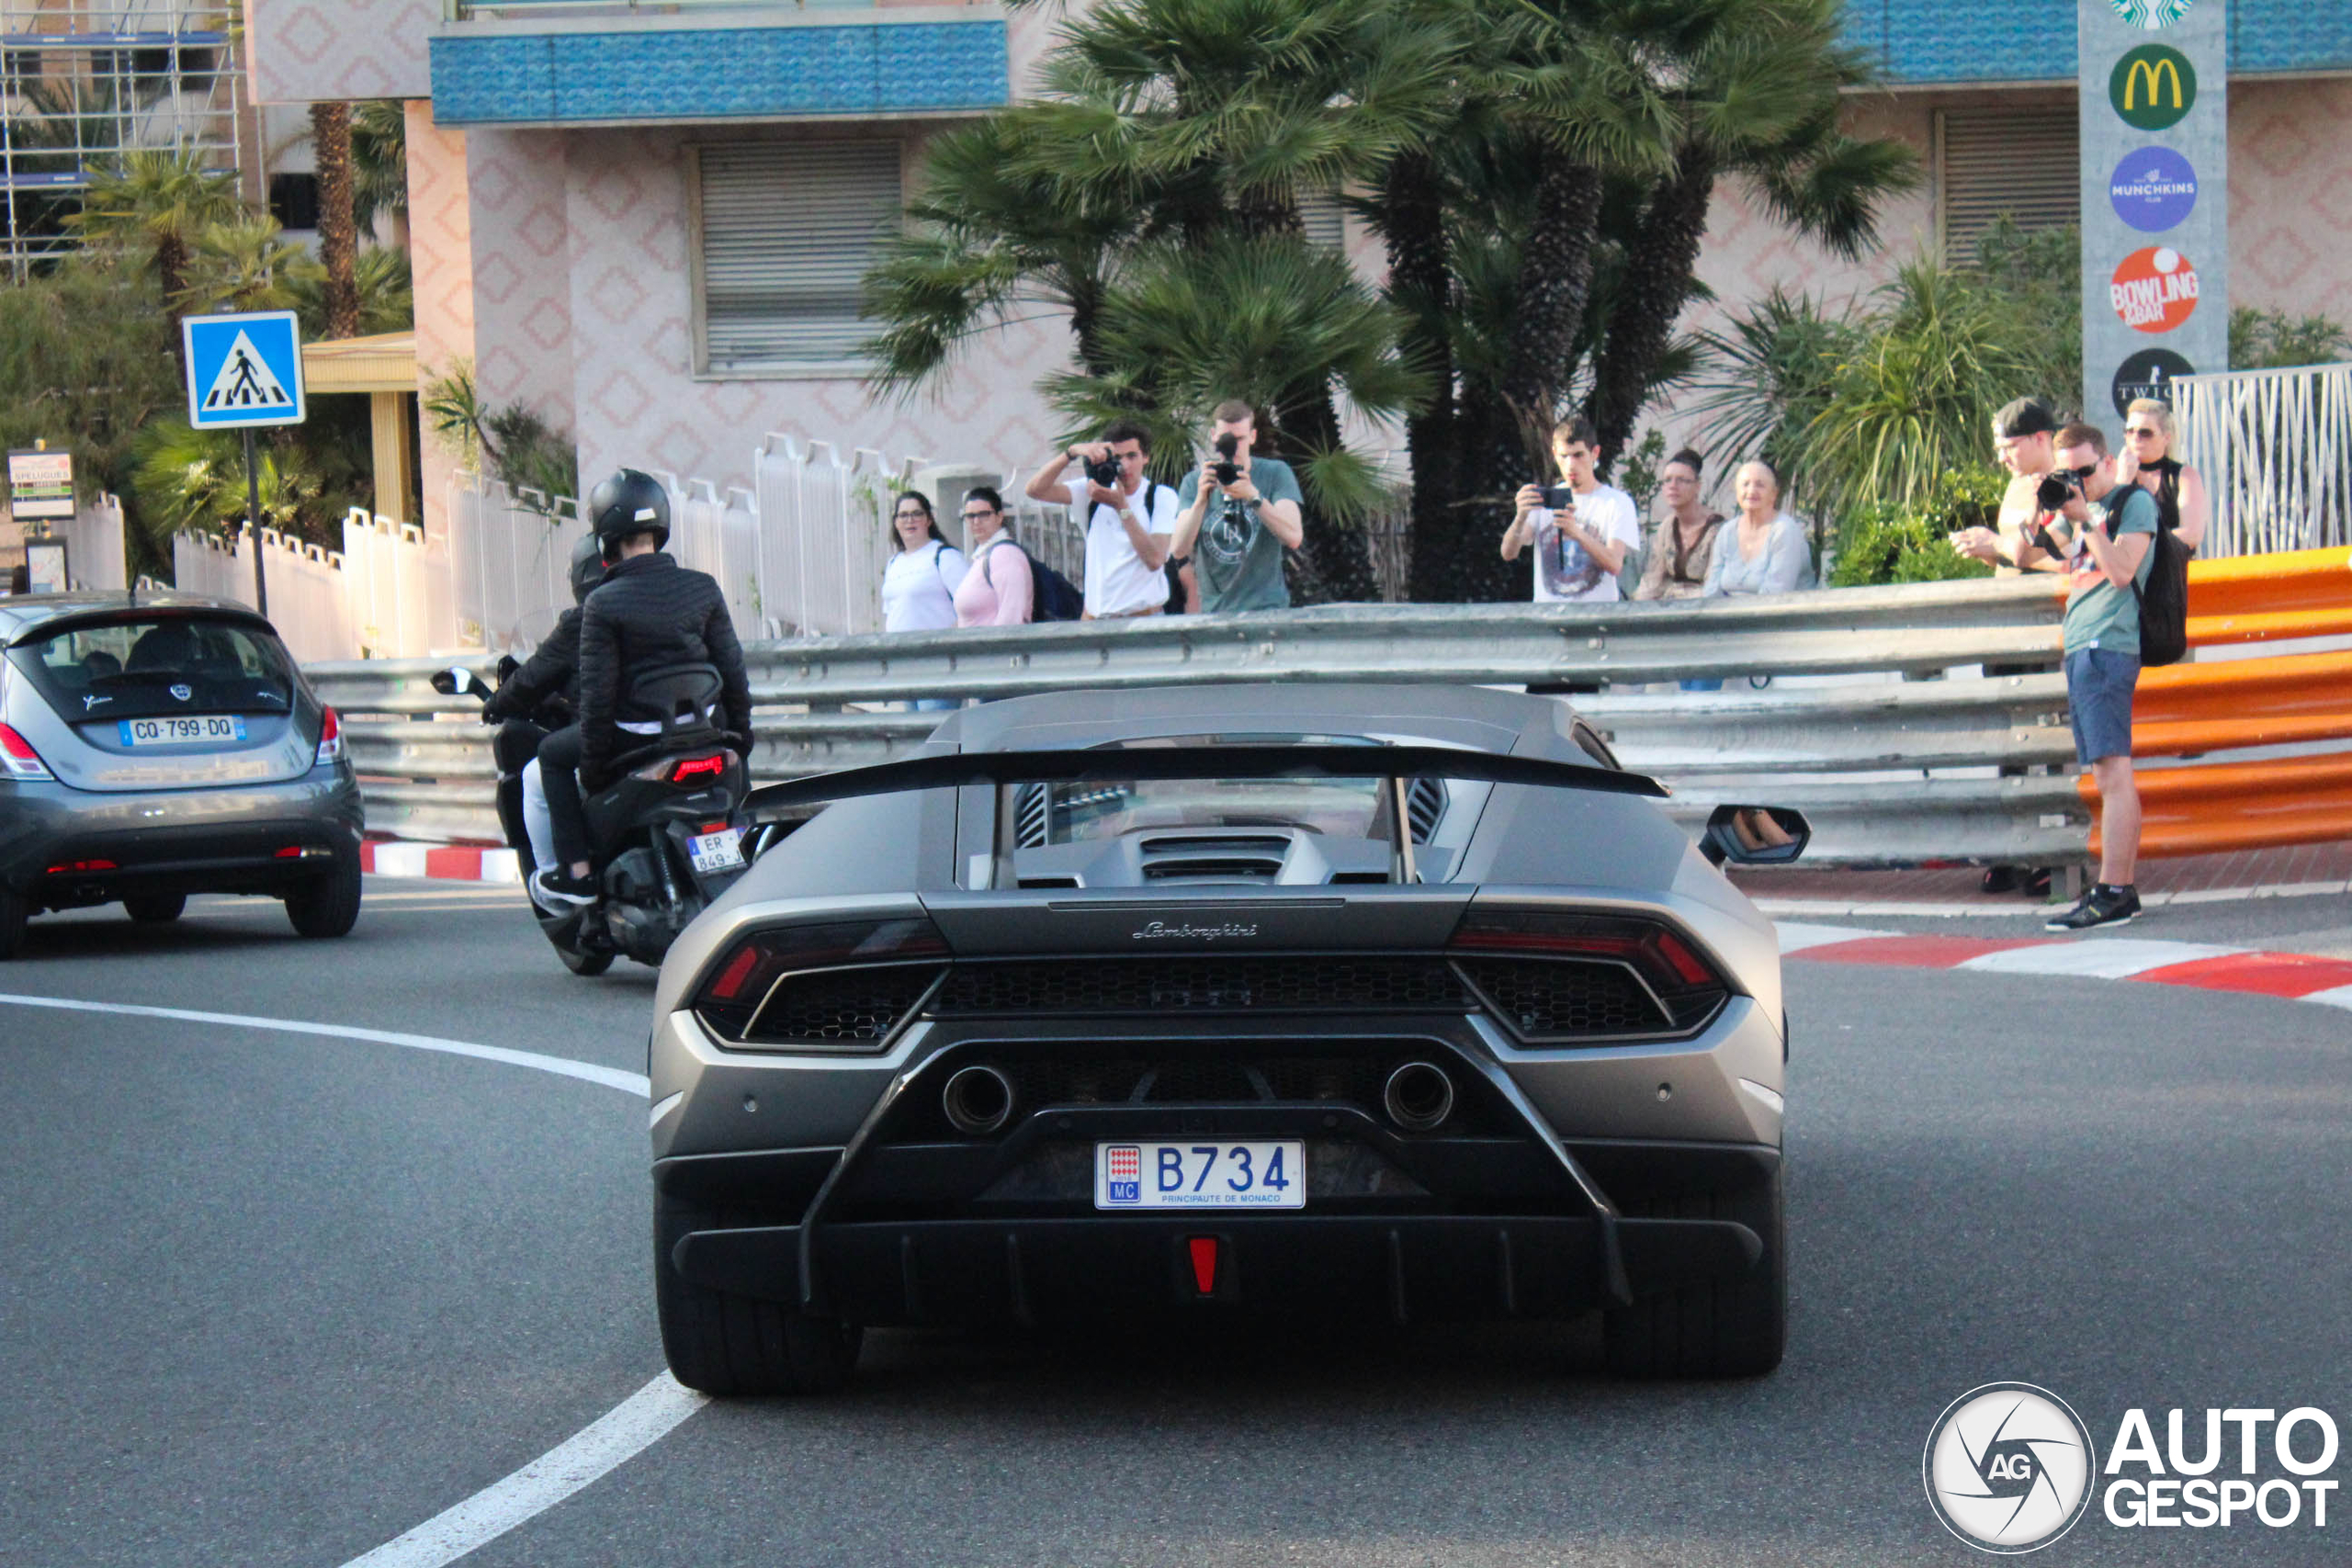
(1115, 763)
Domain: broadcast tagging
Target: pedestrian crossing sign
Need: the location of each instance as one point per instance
(243, 369)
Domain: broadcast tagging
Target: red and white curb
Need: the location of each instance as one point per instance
(2199, 965)
(449, 862)
(1841, 909)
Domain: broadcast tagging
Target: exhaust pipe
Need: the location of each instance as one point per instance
(1419, 1098)
(979, 1099)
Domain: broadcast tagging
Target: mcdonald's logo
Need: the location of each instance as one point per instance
(2153, 87)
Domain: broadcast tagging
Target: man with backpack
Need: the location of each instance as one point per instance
(1128, 520)
(2107, 534)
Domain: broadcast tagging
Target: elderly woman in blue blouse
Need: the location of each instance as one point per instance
(1763, 550)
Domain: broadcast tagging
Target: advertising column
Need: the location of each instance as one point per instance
(2155, 198)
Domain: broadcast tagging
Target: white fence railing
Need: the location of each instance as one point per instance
(386, 595)
(2276, 449)
(510, 554)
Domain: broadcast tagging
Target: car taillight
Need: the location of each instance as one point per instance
(330, 738)
(841, 986)
(688, 769)
(80, 867)
(22, 761)
(1558, 976)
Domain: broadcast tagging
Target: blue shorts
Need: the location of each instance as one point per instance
(2099, 699)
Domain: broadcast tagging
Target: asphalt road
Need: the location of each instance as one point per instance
(273, 1298)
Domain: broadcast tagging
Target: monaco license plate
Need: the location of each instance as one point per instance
(722, 850)
(1199, 1174)
(202, 729)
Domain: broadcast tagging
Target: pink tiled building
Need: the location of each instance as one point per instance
(649, 227)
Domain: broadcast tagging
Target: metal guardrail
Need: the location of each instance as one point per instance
(428, 769)
(1891, 771)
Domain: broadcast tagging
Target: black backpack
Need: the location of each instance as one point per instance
(1052, 596)
(2164, 602)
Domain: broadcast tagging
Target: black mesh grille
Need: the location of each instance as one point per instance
(1543, 997)
(1321, 983)
(844, 1007)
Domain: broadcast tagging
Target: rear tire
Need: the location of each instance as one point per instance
(583, 963)
(154, 909)
(725, 1343)
(1733, 1328)
(14, 912)
(327, 905)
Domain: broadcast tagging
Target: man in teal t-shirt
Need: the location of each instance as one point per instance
(1235, 534)
(2111, 534)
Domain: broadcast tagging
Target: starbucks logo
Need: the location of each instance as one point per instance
(2152, 87)
(2151, 14)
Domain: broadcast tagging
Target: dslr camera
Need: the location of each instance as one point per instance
(1103, 471)
(2057, 488)
(1227, 471)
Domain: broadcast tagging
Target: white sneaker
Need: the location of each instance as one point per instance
(556, 900)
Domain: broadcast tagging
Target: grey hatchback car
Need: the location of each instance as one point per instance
(155, 748)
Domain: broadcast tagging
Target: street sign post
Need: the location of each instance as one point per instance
(40, 484)
(244, 371)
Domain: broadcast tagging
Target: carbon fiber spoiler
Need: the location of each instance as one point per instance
(1116, 763)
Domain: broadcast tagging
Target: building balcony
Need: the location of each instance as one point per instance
(565, 62)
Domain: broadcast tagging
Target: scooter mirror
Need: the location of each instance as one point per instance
(453, 683)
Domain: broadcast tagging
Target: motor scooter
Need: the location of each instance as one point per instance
(667, 831)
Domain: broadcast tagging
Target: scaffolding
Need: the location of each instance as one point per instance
(82, 82)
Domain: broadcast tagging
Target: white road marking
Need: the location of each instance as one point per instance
(1796, 937)
(611, 1440)
(563, 1066)
(607, 1443)
(2104, 958)
(2341, 997)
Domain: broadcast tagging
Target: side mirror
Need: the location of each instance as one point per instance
(454, 681)
(1754, 835)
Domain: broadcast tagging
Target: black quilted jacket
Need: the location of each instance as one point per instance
(547, 686)
(650, 612)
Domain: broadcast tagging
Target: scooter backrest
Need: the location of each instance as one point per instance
(684, 695)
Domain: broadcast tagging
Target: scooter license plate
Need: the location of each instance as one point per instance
(722, 850)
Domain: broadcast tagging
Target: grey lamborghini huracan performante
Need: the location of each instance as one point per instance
(1399, 1001)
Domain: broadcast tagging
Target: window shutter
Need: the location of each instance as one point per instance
(1325, 221)
(2016, 161)
(787, 231)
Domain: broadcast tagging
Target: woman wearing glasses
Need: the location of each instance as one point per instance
(997, 588)
(2147, 460)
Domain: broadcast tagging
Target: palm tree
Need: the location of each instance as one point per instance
(161, 202)
(247, 264)
(380, 166)
(338, 230)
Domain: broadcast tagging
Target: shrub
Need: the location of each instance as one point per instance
(1889, 542)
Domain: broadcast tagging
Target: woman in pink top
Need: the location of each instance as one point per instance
(996, 591)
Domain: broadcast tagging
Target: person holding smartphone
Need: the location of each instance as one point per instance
(1580, 530)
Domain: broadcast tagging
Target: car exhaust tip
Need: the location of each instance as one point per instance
(979, 1099)
(1419, 1098)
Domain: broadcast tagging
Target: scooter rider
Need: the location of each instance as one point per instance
(543, 696)
(650, 612)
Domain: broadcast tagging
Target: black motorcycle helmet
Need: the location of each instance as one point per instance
(629, 503)
(587, 567)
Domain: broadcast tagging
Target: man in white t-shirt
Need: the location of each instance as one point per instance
(1581, 546)
(1126, 532)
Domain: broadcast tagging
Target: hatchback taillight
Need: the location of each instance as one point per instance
(330, 738)
(1562, 976)
(844, 986)
(21, 759)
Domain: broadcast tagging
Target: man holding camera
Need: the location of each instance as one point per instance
(1127, 529)
(2103, 535)
(1581, 530)
(1239, 514)
(2023, 434)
